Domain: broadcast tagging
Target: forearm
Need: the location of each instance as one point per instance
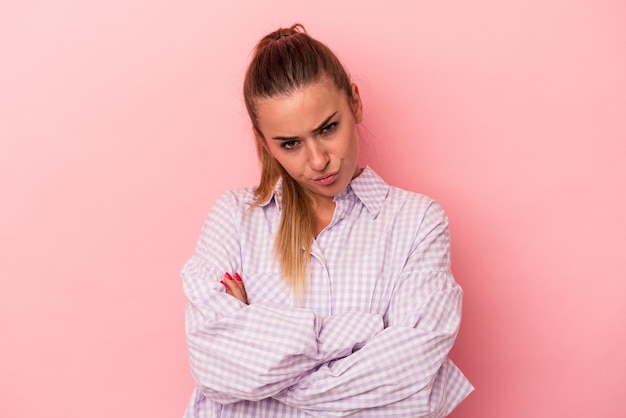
(252, 353)
(394, 365)
(400, 362)
(257, 351)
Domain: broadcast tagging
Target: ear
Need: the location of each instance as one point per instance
(357, 105)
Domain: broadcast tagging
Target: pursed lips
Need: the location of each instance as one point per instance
(327, 178)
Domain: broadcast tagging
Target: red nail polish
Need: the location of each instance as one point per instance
(222, 282)
(228, 276)
(237, 277)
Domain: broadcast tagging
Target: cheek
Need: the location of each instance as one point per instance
(279, 154)
(353, 144)
(270, 147)
(290, 164)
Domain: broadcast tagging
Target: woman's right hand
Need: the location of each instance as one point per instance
(234, 287)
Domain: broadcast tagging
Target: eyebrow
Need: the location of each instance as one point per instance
(319, 128)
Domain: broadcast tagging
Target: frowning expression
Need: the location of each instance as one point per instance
(312, 133)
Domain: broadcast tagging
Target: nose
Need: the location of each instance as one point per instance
(317, 156)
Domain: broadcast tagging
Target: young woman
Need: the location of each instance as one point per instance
(323, 291)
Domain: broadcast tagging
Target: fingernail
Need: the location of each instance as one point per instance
(228, 276)
(222, 282)
(237, 277)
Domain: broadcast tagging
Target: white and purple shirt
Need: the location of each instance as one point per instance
(370, 338)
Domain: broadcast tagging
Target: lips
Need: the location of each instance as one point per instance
(327, 179)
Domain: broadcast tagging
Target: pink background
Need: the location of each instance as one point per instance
(122, 121)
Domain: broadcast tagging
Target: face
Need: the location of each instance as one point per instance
(312, 133)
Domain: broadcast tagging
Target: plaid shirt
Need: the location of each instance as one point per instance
(371, 336)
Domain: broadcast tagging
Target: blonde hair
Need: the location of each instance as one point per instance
(283, 61)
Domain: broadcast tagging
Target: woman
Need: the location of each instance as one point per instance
(323, 291)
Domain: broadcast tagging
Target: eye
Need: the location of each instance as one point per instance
(289, 145)
(329, 128)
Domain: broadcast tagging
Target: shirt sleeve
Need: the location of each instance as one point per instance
(403, 368)
(241, 352)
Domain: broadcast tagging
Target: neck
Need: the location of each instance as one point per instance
(323, 211)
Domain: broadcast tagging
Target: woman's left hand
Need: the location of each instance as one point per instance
(234, 287)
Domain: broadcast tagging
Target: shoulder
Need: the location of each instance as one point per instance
(413, 204)
(227, 213)
(236, 198)
(231, 205)
(418, 218)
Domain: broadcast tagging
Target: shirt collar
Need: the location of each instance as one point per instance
(277, 195)
(368, 187)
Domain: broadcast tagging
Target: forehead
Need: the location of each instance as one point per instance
(300, 111)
